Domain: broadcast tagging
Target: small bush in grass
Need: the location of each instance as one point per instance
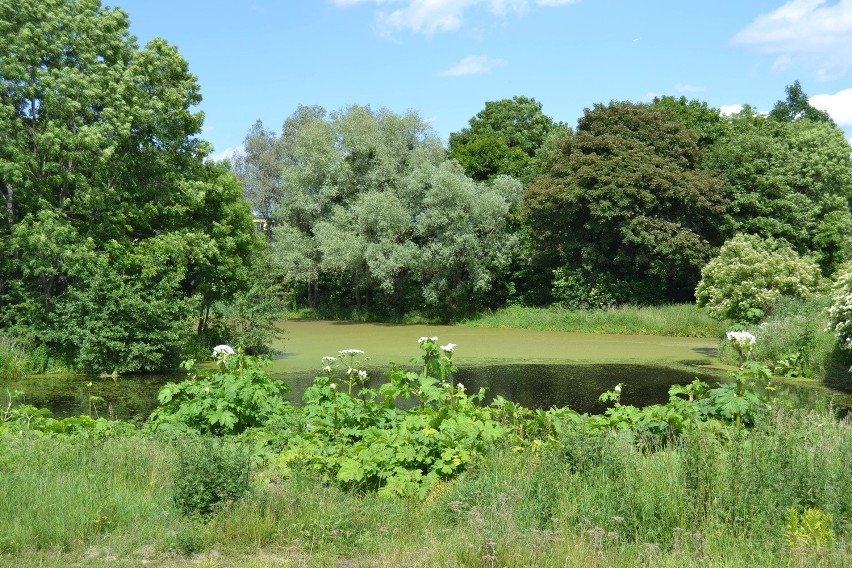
(210, 473)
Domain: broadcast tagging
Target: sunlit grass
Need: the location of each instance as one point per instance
(678, 320)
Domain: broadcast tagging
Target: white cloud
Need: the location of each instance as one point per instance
(472, 65)
(430, 16)
(730, 110)
(812, 33)
(838, 105)
(226, 154)
(650, 96)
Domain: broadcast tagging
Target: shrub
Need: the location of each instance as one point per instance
(210, 473)
(840, 312)
(750, 274)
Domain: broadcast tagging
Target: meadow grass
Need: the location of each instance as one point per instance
(679, 320)
(717, 496)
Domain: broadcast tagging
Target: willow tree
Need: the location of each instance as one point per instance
(109, 208)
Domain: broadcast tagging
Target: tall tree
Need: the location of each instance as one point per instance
(625, 198)
(502, 138)
(797, 106)
(101, 165)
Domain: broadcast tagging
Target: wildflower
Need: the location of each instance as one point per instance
(448, 347)
(363, 374)
(460, 386)
(617, 389)
(328, 360)
(351, 352)
(327, 368)
(223, 350)
(332, 386)
(422, 340)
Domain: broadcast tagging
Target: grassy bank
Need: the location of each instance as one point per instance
(677, 320)
(711, 498)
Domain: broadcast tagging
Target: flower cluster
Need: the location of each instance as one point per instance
(223, 350)
(741, 337)
(423, 340)
(350, 352)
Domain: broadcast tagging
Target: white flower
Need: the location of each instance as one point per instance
(741, 337)
(223, 350)
(422, 340)
(328, 360)
(332, 386)
(448, 347)
(363, 374)
(460, 386)
(617, 389)
(434, 338)
(327, 368)
(351, 352)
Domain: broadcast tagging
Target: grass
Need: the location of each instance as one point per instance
(715, 497)
(13, 359)
(678, 320)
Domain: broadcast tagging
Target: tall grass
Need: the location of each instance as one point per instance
(679, 320)
(715, 497)
(13, 359)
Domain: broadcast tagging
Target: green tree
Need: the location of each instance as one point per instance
(102, 168)
(750, 274)
(706, 122)
(787, 180)
(502, 138)
(797, 106)
(625, 198)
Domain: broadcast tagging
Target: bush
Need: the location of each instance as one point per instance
(840, 312)
(210, 474)
(750, 274)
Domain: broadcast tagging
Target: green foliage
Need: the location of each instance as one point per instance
(840, 312)
(626, 198)
(362, 441)
(210, 474)
(239, 395)
(502, 138)
(796, 106)
(675, 320)
(115, 232)
(371, 219)
(13, 359)
(810, 530)
(750, 274)
(787, 180)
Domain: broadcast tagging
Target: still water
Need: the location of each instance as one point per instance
(537, 369)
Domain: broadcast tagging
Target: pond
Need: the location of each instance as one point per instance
(537, 369)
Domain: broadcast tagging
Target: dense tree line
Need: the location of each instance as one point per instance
(627, 207)
(117, 237)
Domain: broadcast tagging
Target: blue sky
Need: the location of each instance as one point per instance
(259, 59)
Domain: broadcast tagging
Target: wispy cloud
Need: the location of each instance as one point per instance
(686, 88)
(838, 105)
(811, 33)
(472, 65)
(430, 16)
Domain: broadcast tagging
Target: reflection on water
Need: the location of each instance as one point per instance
(531, 385)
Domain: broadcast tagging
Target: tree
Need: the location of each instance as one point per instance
(750, 274)
(101, 166)
(375, 217)
(706, 122)
(840, 312)
(502, 138)
(787, 180)
(796, 106)
(625, 198)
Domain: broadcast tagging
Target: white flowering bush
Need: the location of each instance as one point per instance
(750, 274)
(840, 312)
